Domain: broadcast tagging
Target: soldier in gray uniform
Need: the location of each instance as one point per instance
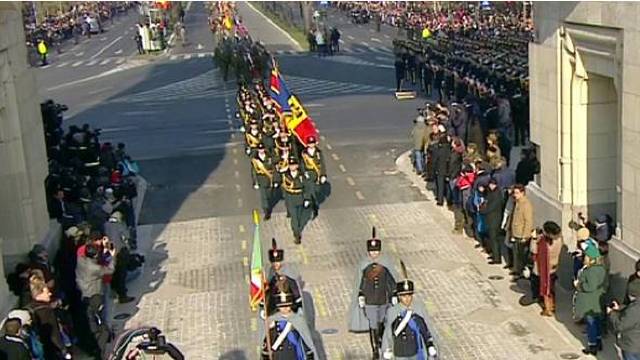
(374, 292)
(406, 335)
(288, 336)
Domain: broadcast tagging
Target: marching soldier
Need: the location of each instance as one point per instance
(269, 132)
(262, 172)
(296, 197)
(283, 145)
(252, 137)
(406, 335)
(313, 161)
(374, 293)
(288, 336)
(282, 275)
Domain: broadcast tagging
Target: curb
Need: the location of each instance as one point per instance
(294, 41)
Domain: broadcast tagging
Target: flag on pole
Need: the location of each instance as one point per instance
(278, 90)
(300, 123)
(256, 282)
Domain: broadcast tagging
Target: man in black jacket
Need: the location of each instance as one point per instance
(492, 211)
(12, 346)
(440, 154)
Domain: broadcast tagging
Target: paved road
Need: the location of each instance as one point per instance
(176, 116)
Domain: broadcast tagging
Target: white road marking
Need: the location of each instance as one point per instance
(376, 39)
(365, 43)
(350, 37)
(201, 55)
(286, 34)
(91, 63)
(118, 52)
(79, 54)
(105, 61)
(187, 56)
(199, 47)
(359, 195)
(63, 64)
(173, 57)
(104, 38)
(341, 41)
(118, 129)
(120, 61)
(77, 63)
(342, 168)
(328, 146)
(387, 36)
(335, 157)
(46, 66)
(106, 47)
(350, 181)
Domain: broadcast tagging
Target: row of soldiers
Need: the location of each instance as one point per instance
(281, 166)
(383, 304)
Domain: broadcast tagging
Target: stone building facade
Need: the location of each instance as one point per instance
(585, 119)
(23, 164)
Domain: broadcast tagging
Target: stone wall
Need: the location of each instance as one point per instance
(579, 45)
(23, 213)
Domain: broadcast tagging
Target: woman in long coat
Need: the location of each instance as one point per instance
(589, 290)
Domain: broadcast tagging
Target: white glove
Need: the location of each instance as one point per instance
(262, 314)
(387, 355)
(256, 186)
(247, 150)
(394, 300)
(512, 240)
(323, 179)
(276, 185)
(526, 272)
(361, 301)
(431, 350)
(242, 129)
(237, 115)
(306, 203)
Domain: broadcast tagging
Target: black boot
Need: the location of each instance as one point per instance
(590, 350)
(297, 239)
(267, 214)
(373, 339)
(380, 334)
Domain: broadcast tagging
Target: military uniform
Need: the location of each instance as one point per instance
(374, 292)
(295, 190)
(281, 275)
(406, 334)
(313, 162)
(252, 137)
(288, 336)
(263, 173)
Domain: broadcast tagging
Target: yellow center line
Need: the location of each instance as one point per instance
(335, 157)
(243, 245)
(350, 181)
(241, 228)
(254, 324)
(342, 168)
(246, 279)
(359, 195)
(303, 255)
(322, 310)
(245, 261)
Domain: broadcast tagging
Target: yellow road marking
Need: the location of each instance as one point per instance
(342, 168)
(243, 245)
(241, 228)
(350, 181)
(359, 195)
(322, 310)
(254, 324)
(303, 255)
(335, 157)
(246, 278)
(245, 261)
(236, 174)
(238, 188)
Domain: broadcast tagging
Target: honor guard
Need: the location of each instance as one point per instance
(296, 197)
(406, 335)
(287, 336)
(313, 162)
(282, 275)
(269, 133)
(262, 172)
(252, 138)
(374, 287)
(283, 144)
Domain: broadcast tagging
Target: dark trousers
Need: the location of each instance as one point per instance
(427, 87)
(535, 286)
(398, 83)
(520, 130)
(440, 188)
(97, 326)
(119, 280)
(495, 243)
(520, 248)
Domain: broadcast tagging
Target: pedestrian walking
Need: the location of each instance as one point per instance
(374, 287)
(43, 51)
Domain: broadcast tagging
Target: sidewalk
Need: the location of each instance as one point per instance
(560, 335)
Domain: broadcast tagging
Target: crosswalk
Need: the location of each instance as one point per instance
(209, 85)
(118, 60)
(381, 49)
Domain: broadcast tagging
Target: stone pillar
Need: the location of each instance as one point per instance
(24, 219)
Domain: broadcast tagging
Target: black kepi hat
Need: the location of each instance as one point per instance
(275, 254)
(374, 244)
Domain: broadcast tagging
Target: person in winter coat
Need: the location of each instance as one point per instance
(505, 176)
(419, 136)
(528, 167)
(545, 251)
(117, 232)
(626, 323)
(521, 228)
(400, 71)
(45, 321)
(589, 289)
(492, 212)
(12, 346)
(440, 153)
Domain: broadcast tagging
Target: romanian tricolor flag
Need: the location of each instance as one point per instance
(278, 90)
(300, 123)
(256, 282)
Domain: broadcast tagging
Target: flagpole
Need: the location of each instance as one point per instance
(266, 317)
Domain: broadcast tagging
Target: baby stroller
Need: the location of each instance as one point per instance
(143, 343)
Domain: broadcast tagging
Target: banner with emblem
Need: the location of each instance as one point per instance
(300, 123)
(278, 90)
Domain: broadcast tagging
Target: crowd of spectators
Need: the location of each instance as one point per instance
(69, 21)
(65, 302)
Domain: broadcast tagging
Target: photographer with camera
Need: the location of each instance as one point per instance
(117, 231)
(625, 321)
